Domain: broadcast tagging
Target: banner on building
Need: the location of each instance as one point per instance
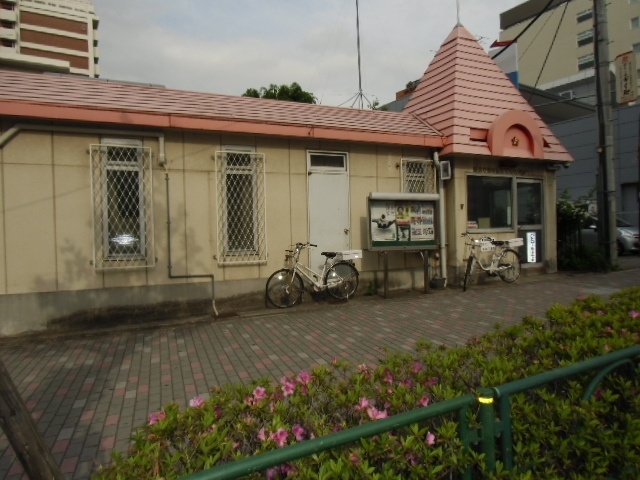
(626, 78)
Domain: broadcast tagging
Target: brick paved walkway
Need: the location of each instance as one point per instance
(89, 391)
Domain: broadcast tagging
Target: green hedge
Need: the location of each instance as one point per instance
(556, 434)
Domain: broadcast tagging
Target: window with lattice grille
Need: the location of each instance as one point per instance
(122, 213)
(241, 207)
(418, 176)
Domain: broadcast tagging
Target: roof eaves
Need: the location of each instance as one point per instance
(163, 120)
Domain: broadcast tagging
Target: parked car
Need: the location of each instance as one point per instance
(627, 235)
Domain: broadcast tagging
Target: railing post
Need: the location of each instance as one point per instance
(465, 436)
(506, 438)
(488, 424)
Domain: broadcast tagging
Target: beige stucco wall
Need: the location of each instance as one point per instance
(46, 231)
(46, 236)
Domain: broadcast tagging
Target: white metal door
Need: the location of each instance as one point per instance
(329, 225)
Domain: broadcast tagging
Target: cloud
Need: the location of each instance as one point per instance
(227, 46)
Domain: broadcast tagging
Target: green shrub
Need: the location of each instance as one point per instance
(556, 433)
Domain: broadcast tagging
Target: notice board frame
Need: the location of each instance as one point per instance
(402, 221)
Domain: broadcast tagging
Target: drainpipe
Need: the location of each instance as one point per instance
(441, 226)
(169, 266)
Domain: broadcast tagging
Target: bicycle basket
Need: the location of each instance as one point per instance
(486, 245)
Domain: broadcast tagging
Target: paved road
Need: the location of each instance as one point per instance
(89, 390)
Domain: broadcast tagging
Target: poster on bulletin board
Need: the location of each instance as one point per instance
(402, 221)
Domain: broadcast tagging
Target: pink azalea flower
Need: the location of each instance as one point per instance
(196, 402)
(364, 403)
(298, 432)
(388, 376)
(304, 378)
(407, 382)
(375, 414)
(249, 400)
(634, 314)
(363, 367)
(288, 386)
(262, 436)
(424, 401)
(155, 417)
(280, 437)
(259, 393)
(416, 367)
(431, 382)
(354, 458)
(272, 473)
(431, 439)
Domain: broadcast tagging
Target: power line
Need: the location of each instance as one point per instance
(553, 40)
(535, 19)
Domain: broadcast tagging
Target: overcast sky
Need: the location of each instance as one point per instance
(227, 46)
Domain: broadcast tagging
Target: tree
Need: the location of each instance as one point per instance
(291, 93)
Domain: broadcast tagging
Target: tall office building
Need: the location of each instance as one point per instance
(49, 35)
(557, 52)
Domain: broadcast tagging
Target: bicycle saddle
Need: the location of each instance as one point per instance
(329, 254)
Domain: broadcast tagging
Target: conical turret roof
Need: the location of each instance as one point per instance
(465, 95)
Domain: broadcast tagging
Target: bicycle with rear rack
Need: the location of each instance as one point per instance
(339, 277)
(505, 260)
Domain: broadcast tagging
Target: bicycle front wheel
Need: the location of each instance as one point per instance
(341, 280)
(468, 272)
(509, 265)
(285, 288)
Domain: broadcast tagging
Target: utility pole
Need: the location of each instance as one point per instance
(607, 230)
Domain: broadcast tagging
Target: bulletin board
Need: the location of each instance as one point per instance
(402, 221)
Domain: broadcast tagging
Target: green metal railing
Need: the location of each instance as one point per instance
(321, 444)
(490, 428)
(607, 364)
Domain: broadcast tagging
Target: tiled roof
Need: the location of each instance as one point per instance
(46, 97)
(464, 93)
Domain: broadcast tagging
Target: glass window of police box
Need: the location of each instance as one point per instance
(489, 202)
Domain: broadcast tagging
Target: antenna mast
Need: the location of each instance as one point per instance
(359, 97)
(359, 69)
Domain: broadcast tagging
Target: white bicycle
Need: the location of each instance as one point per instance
(505, 261)
(339, 277)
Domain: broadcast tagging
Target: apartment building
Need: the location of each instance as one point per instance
(49, 35)
(557, 52)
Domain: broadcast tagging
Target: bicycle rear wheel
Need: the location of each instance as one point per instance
(468, 272)
(285, 288)
(341, 280)
(509, 265)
